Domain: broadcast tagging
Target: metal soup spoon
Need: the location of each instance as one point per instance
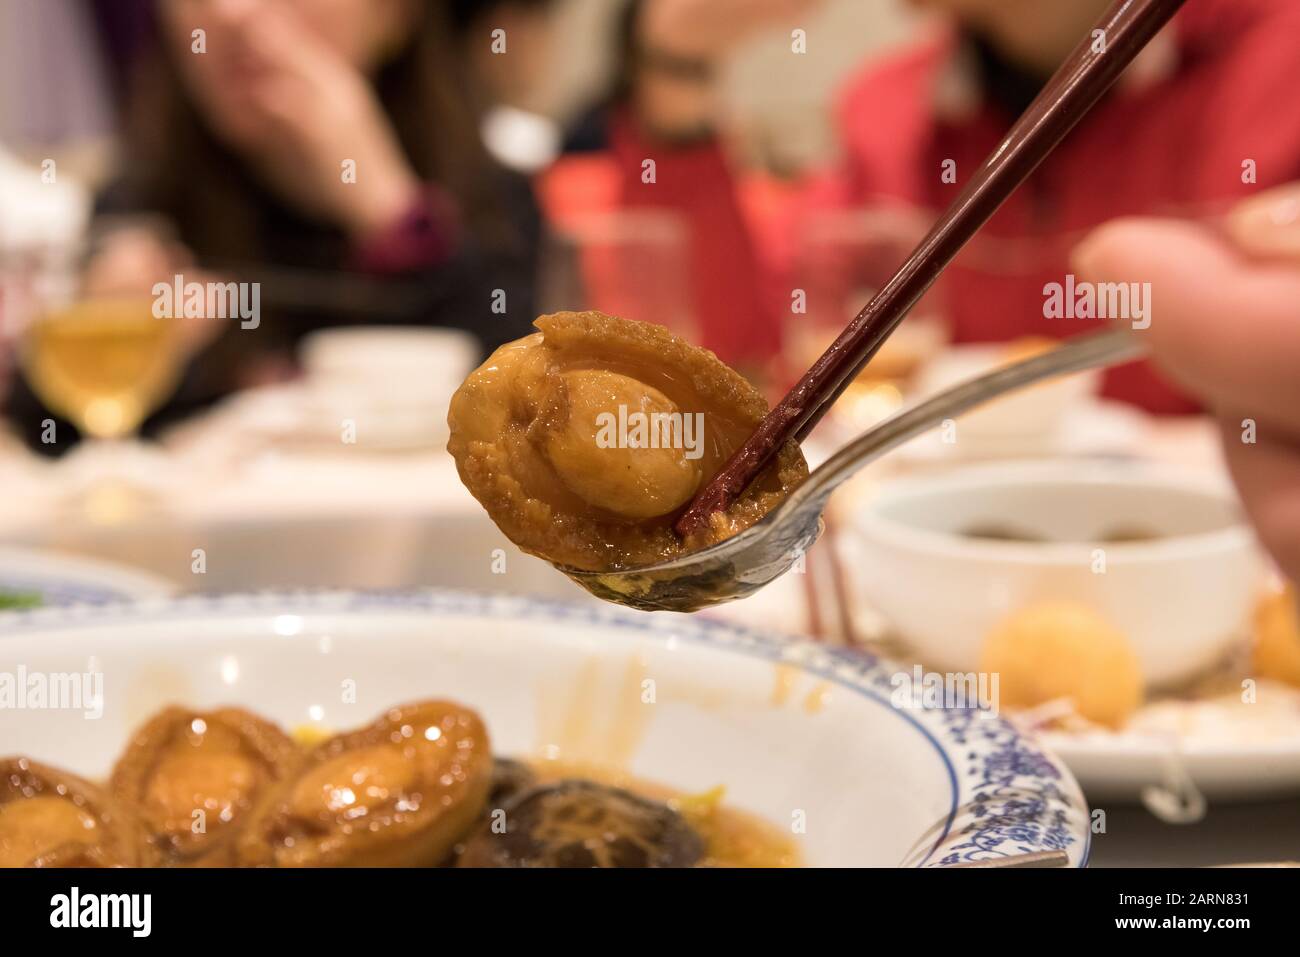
(744, 563)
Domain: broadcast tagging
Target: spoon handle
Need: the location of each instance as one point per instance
(1093, 351)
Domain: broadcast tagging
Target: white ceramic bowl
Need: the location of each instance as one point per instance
(1181, 598)
(383, 419)
(392, 383)
(56, 579)
(796, 733)
(392, 359)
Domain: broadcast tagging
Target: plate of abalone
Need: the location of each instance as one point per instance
(814, 742)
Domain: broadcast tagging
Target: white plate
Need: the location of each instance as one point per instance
(796, 733)
(1224, 749)
(303, 415)
(1122, 769)
(58, 579)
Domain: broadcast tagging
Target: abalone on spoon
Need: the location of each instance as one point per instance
(585, 440)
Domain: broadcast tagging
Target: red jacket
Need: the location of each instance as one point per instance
(1172, 145)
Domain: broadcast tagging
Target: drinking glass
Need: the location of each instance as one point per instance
(98, 356)
(632, 263)
(100, 359)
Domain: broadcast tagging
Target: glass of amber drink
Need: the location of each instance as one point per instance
(104, 363)
(94, 350)
(97, 355)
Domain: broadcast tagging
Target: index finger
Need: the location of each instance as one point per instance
(1224, 326)
(1267, 226)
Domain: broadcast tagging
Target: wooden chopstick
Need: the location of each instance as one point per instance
(1080, 82)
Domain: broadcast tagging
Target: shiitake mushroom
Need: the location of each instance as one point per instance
(193, 777)
(399, 792)
(50, 818)
(578, 823)
(509, 777)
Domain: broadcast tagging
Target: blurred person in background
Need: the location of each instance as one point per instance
(237, 140)
(1192, 126)
(660, 106)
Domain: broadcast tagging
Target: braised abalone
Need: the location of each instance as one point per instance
(49, 818)
(586, 440)
(193, 776)
(399, 792)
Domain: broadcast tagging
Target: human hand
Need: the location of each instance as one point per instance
(130, 261)
(1226, 326)
(309, 111)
